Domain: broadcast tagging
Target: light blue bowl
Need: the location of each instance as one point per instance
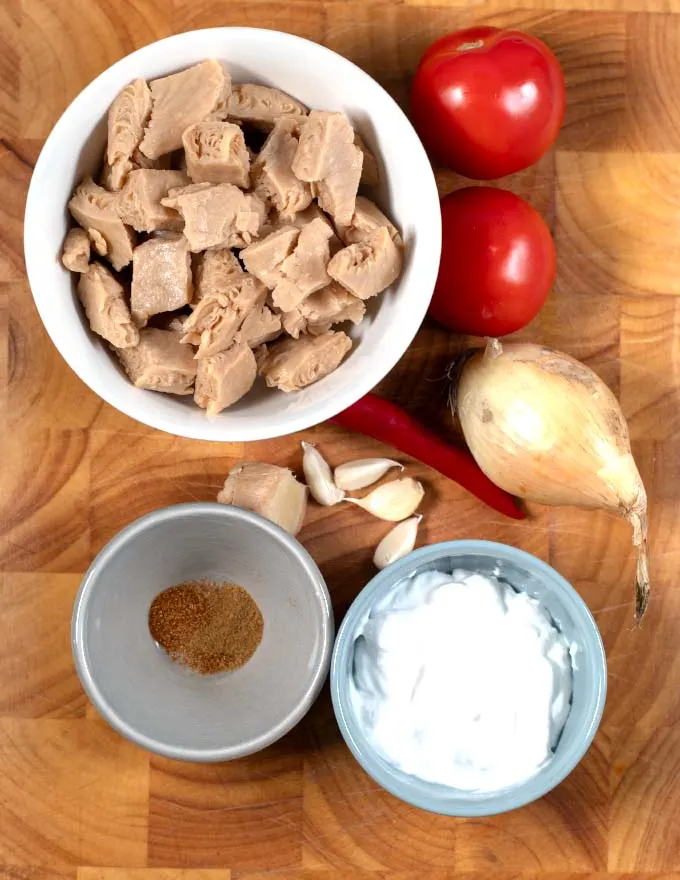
(523, 572)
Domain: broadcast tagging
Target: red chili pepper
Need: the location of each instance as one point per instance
(385, 421)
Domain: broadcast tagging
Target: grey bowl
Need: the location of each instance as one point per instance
(164, 707)
(524, 572)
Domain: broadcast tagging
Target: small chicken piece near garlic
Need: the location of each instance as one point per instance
(269, 490)
(393, 501)
(319, 478)
(397, 543)
(363, 472)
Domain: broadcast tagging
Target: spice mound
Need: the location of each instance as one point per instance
(207, 627)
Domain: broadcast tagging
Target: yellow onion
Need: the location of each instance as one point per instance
(546, 428)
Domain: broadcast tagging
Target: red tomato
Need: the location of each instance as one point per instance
(497, 264)
(488, 102)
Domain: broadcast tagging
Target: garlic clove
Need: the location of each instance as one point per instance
(319, 477)
(392, 501)
(363, 472)
(269, 490)
(397, 543)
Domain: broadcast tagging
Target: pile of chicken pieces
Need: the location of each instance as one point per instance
(224, 263)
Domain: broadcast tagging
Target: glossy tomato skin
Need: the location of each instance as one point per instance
(488, 102)
(497, 265)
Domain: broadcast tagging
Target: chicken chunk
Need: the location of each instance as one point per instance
(337, 193)
(76, 253)
(260, 326)
(111, 183)
(272, 173)
(260, 353)
(217, 215)
(320, 311)
(369, 165)
(216, 153)
(291, 262)
(106, 307)
(94, 208)
(139, 202)
(218, 317)
(321, 140)
(262, 105)
(223, 379)
(161, 277)
(182, 100)
(128, 116)
(327, 157)
(215, 271)
(98, 242)
(263, 258)
(304, 271)
(291, 364)
(293, 323)
(106, 178)
(161, 163)
(275, 222)
(160, 362)
(369, 266)
(367, 218)
(303, 218)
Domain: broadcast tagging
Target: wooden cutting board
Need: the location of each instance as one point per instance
(76, 800)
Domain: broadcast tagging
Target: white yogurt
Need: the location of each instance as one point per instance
(460, 680)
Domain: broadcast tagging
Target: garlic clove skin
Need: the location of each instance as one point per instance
(392, 501)
(397, 543)
(363, 472)
(319, 478)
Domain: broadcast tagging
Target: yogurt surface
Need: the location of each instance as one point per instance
(459, 679)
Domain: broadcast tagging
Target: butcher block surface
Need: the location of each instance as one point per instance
(77, 801)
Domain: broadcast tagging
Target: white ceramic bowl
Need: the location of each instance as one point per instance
(321, 79)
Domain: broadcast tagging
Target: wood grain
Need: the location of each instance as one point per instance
(36, 665)
(244, 814)
(72, 792)
(65, 45)
(77, 802)
(42, 391)
(152, 874)
(16, 167)
(44, 504)
(606, 205)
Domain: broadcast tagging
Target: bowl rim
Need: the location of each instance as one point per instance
(116, 545)
(397, 784)
(429, 246)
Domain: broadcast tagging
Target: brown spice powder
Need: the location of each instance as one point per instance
(207, 627)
